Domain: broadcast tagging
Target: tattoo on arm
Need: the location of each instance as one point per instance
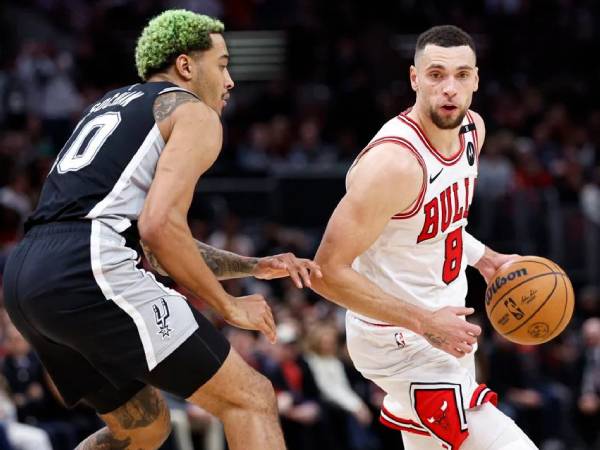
(226, 265)
(165, 104)
(438, 341)
(223, 264)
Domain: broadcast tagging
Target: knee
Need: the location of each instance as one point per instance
(257, 397)
(266, 401)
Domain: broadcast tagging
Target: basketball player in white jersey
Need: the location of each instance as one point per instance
(395, 252)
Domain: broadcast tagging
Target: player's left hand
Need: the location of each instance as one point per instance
(284, 265)
(491, 261)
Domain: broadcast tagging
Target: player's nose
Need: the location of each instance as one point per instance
(450, 87)
(229, 84)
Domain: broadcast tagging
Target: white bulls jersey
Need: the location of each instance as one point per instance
(419, 255)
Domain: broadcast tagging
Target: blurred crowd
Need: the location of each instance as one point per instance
(346, 72)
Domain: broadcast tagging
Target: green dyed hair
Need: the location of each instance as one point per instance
(170, 34)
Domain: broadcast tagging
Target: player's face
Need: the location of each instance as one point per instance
(445, 79)
(212, 81)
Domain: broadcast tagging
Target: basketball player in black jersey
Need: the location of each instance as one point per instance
(107, 332)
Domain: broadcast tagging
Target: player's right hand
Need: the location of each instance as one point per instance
(252, 312)
(447, 330)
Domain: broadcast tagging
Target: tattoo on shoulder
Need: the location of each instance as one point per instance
(165, 104)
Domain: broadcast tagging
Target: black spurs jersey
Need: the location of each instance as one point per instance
(105, 169)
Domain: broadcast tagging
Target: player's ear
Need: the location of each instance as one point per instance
(413, 78)
(476, 79)
(183, 66)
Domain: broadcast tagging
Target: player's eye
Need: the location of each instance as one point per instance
(435, 75)
(463, 75)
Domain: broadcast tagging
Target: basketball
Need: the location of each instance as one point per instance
(530, 300)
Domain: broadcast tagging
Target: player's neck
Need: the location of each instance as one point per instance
(165, 76)
(444, 141)
(162, 77)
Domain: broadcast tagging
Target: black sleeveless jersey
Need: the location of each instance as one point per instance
(105, 169)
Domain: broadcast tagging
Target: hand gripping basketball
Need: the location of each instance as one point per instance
(447, 330)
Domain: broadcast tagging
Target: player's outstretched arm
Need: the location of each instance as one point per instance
(227, 265)
(380, 186)
(193, 136)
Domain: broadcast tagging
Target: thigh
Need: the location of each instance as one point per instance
(193, 363)
(491, 429)
(413, 441)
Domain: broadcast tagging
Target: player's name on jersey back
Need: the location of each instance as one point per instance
(120, 99)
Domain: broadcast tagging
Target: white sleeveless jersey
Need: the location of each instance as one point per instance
(419, 255)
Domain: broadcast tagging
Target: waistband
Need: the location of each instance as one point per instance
(75, 226)
(368, 322)
(131, 234)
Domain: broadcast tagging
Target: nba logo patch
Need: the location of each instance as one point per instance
(399, 340)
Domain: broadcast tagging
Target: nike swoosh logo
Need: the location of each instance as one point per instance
(432, 179)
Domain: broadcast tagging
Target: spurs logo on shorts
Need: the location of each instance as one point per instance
(161, 317)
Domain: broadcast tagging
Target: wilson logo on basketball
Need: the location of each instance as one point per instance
(501, 281)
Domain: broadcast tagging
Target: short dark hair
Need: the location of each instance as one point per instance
(444, 36)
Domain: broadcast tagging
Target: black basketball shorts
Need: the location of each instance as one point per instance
(102, 325)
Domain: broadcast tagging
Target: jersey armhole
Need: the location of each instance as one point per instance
(414, 207)
(474, 132)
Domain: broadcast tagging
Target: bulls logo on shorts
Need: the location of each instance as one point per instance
(440, 410)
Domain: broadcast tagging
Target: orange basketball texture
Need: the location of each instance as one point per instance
(530, 300)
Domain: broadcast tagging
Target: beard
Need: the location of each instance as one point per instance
(446, 123)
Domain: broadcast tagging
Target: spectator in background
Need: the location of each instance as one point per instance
(309, 149)
(331, 379)
(298, 396)
(16, 194)
(588, 402)
(229, 237)
(51, 93)
(34, 402)
(495, 180)
(253, 155)
(588, 303)
(589, 200)
(15, 435)
(525, 394)
(10, 232)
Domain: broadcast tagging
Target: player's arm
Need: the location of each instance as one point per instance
(223, 264)
(193, 134)
(478, 255)
(387, 180)
(227, 265)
